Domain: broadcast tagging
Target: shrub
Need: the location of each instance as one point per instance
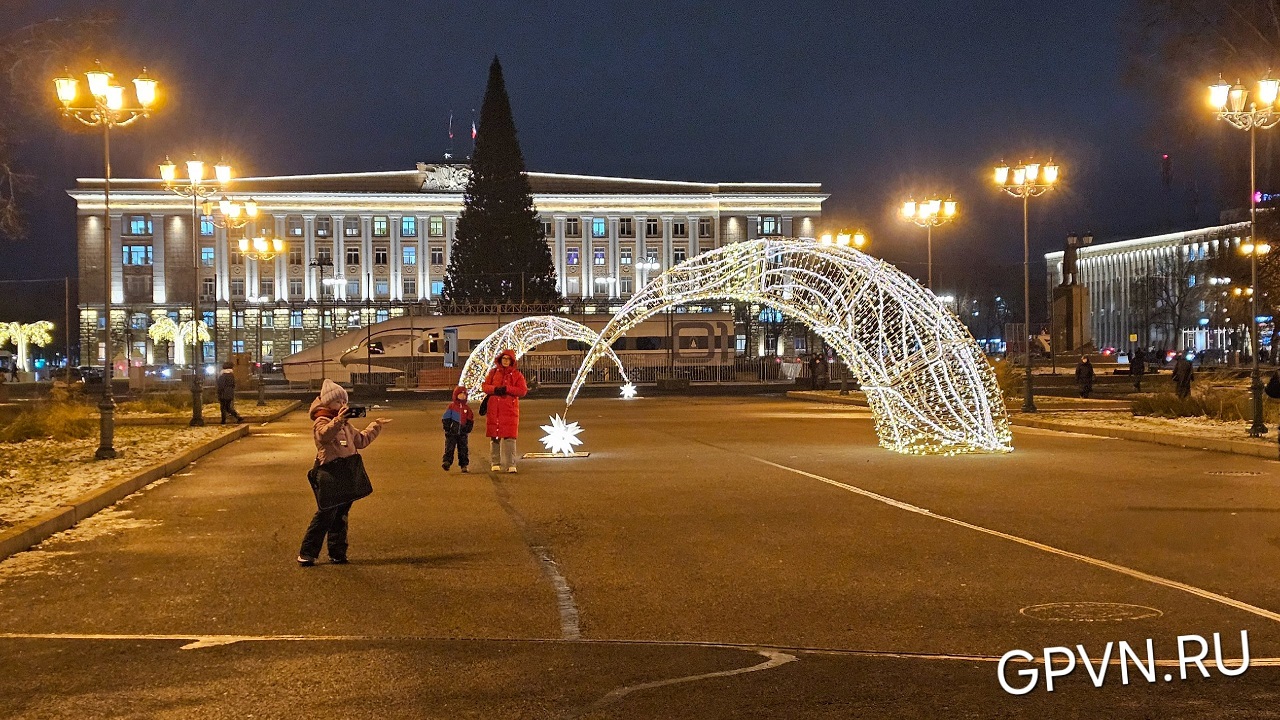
(56, 420)
(159, 403)
(1217, 403)
(1008, 377)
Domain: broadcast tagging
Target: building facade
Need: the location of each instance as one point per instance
(388, 237)
(1163, 291)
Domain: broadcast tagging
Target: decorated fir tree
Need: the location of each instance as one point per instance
(499, 250)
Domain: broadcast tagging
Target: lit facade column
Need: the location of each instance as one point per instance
(586, 258)
(309, 279)
(339, 235)
(637, 223)
(615, 264)
(366, 257)
(558, 250)
(395, 286)
(691, 227)
(424, 258)
(753, 227)
(667, 259)
(158, 294)
(281, 265)
(117, 264)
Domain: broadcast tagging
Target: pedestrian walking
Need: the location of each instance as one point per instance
(1084, 377)
(813, 371)
(1182, 375)
(458, 421)
(338, 477)
(1138, 367)
(504, 385)
(227, 393)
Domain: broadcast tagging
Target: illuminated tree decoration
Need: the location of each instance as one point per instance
(24, 335)
(561, 436)
(179, 334)
(522, 336)
(929, 386)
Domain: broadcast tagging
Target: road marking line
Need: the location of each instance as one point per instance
(195, 642)
(1138, 574)
(773, 659)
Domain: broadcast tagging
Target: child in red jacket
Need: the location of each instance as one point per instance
(458, 421)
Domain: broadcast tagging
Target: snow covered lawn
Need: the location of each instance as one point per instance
(38, 475)
(1195, 426)
(211, 412)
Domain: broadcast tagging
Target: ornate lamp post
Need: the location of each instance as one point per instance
(1026, 181)
(844, 238)
(929, 214)
(262, 249)
(107, 109)
(193, 187)
(1229, 103)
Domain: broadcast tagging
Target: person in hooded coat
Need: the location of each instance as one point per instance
(334, 438)
(1084, 377)
(458, 421)
(504, 385)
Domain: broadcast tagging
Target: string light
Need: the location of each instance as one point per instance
(522, 336)
(928, 383)
(629, 391)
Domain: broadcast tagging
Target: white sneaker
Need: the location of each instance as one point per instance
(512, 471)
(495, 468)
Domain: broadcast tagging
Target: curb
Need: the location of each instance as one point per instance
(1234, 447)
(249, 419)
(35, 530)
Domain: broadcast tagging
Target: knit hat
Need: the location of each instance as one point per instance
(331, 393)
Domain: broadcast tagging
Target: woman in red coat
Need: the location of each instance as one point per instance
(505, 385)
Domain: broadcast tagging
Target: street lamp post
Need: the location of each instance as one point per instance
(107, 110)
(844, 238)
(1026, 181)
(928, 215)
(320, 263)
(193, 187)
(1229, 103)
(261, 249)
(235, 215)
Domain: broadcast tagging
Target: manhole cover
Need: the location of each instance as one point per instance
(1233, 473)
(1090, 612)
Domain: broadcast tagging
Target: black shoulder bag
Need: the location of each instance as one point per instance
(339, 481)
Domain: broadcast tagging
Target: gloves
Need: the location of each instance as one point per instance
(500, 390)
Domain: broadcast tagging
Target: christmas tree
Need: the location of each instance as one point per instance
(499, 251)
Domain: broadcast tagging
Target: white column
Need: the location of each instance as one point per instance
(366, 257)
(667, 259)
(395, 285)
(562, 270)
(691, 226)
(641, 252)
(587, 258)
(615, 267)
(309, 279)
(282, 263)
(339, 256)
(157, 258)
(117, 263)
(424, 249)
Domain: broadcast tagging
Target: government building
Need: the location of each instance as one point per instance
(382, 242)
(1162, 291)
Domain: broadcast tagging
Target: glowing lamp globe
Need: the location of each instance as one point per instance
(145, 87)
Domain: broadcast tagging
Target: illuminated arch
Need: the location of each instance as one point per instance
(929, 386)
(524, 335)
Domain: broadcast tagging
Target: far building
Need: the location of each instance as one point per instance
(387, 236)
(1159, 291)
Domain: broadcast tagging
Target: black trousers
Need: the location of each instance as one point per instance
(331, 523)
(460, 442)
(228, 408)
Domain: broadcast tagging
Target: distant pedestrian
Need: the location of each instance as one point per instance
(338, 473)
(458, 421)
(505, 385)
(813, 371)
(1084, 377)
(1138, 367)
(13, 372)
(1182, 375)
(227, 393)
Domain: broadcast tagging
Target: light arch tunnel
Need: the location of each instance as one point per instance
(522, 336)
(929, 386)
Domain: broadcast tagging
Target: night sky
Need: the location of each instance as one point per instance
(875, 100)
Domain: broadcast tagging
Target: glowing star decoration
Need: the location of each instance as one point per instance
(522, 336)
(561, 437)
(629, 391)
(930, 388)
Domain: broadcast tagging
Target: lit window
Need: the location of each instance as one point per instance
(351, 227)
(597, 256)
(267, 319)
(769, 225)
(206, 257)
(435, 226)
(139, 225)
(624, 256)
(206, 226)
(381, 288)
(293, 226)
(381, 226)
(295, 347)
(598, 228)
(237, 346)
(437, 287)
(324, 226)
(353, 288)
(409, 255)
(237, 319)
(409, 226)
(137, 255)
(571, 256)
(382, 315)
